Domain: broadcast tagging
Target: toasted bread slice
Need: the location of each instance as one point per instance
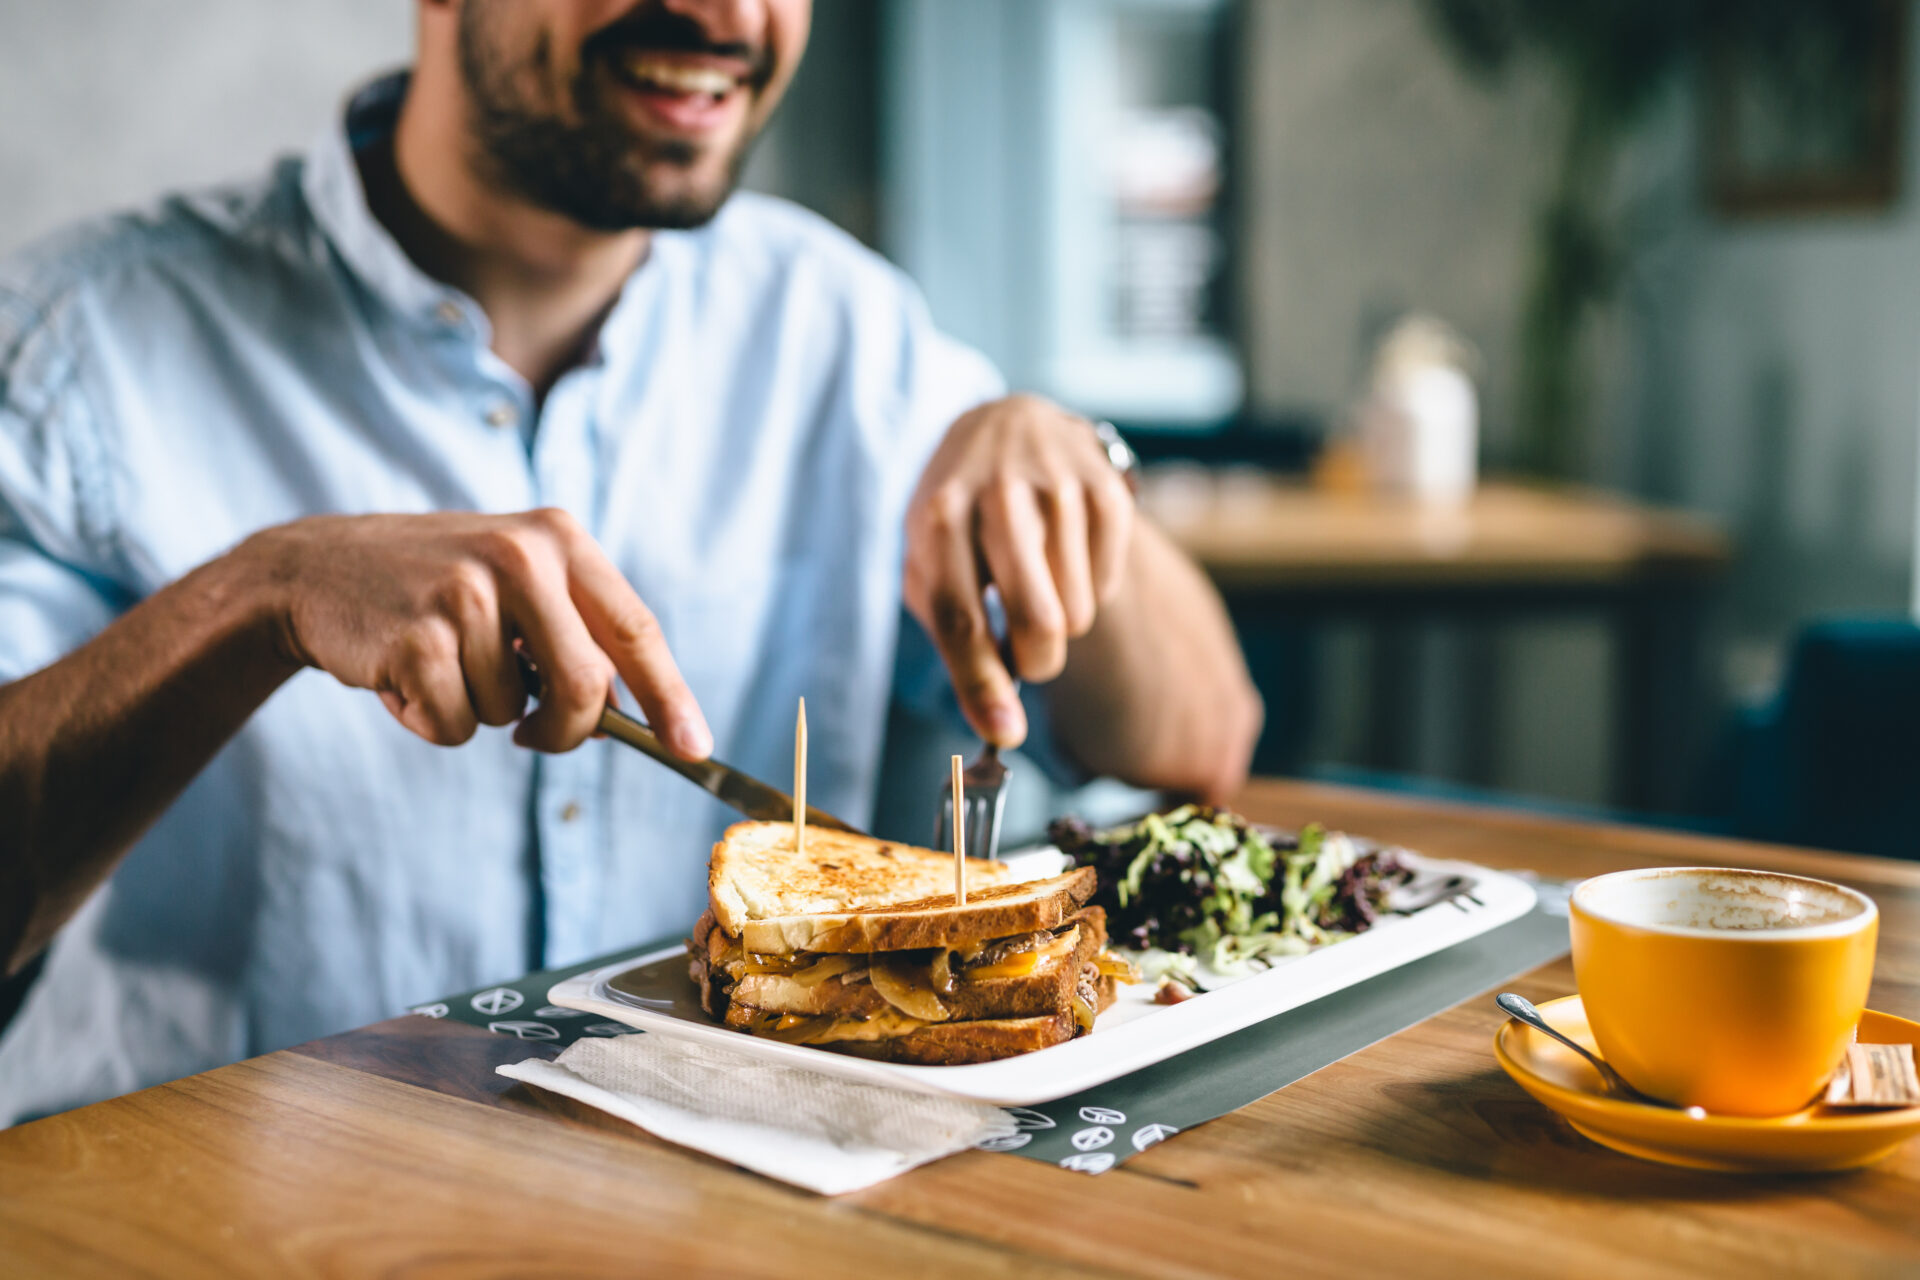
(756, 873)
(895, 1038)
(953, 1044)
(929, 922)
(1046, 990)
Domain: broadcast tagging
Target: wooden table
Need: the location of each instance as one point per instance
(1285, 554)
(394, 1150)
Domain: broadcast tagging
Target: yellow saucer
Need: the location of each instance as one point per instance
(1813, 1140)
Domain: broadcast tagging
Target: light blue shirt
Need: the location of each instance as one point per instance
(743, 443)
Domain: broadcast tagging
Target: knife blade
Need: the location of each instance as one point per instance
(731, 787)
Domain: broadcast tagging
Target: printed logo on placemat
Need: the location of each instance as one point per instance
(1089, 1162)
(1088, 1139)
(1006, 1142)
(1148, 1134)
(497, 1000)
(1102, 1115)
(1028, 1118)
(436, 1010)
(609, 1029)
(525, 1030)
(555, 1011)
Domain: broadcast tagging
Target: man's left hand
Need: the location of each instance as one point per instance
(1021, 495)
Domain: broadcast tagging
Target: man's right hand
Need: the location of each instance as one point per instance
(426, 611)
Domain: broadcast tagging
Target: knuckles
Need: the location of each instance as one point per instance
(580, 683)
(428, 644)
(634, 629)
(468, 595)
(555, 522)
(508, 550)
(945, 511)
(956, 619)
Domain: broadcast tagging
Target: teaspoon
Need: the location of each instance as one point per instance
(1518, 1006)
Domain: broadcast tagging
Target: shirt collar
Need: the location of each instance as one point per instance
(334, 192)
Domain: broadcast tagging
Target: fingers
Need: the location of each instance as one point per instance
(1109, 513)
(1013, 539)
(488, 667)
(630, 635)
(576, 677)
(944, 591)
(1069, 558)
(425, 690)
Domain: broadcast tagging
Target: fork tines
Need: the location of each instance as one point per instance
(983, 783)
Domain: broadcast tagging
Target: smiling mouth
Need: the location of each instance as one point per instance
(651, 72)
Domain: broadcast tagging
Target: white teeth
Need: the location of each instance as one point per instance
(676, 77)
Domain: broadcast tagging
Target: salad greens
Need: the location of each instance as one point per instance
(1200, 885)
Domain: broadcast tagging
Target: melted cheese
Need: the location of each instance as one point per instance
(799, 1029)
(881, 1026)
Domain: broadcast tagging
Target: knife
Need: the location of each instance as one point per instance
(731, 787)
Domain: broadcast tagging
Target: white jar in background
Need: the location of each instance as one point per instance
(1419, 422)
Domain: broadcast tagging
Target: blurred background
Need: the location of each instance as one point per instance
(1538, 381)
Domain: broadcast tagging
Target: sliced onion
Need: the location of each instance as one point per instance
(782, 966)
(829, 967)
(907, 987)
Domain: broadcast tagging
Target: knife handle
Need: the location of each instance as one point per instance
(614, 722)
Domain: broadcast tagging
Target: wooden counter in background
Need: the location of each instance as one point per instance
(1250, 532)
(1288, 555)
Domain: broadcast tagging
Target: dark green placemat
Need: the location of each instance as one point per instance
(1095, 1130)
(519, 1008)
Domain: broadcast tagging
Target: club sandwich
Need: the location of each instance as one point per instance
(859, 946)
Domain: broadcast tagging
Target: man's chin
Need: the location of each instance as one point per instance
(667, 192)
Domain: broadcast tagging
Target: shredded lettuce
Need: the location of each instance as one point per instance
(1203, 887)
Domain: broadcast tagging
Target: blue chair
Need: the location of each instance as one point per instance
(1834, 760)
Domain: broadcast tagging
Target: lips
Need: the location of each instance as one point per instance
(689, 95)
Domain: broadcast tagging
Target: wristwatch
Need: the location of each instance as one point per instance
(1119, 453)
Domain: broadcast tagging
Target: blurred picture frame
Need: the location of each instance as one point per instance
(1803, 109)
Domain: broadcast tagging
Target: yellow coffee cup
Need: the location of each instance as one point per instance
(1736, 991)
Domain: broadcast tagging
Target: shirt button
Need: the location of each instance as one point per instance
(502, 415)
(569, 812)
(448, 313)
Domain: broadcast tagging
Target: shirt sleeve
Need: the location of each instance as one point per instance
(942, 379)
(55, 590)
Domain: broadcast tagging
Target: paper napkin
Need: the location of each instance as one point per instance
(815, 1131)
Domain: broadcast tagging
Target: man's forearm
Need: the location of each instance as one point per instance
(94, 747)
(1157, 693)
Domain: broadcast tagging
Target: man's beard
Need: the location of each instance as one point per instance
(592, 170)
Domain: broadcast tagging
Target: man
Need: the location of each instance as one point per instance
(500, 366)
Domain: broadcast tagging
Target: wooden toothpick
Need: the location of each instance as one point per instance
(959, 839)
(800, 781)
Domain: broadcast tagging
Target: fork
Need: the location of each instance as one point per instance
(985, 783)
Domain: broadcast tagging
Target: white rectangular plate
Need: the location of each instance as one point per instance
(654, 994)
